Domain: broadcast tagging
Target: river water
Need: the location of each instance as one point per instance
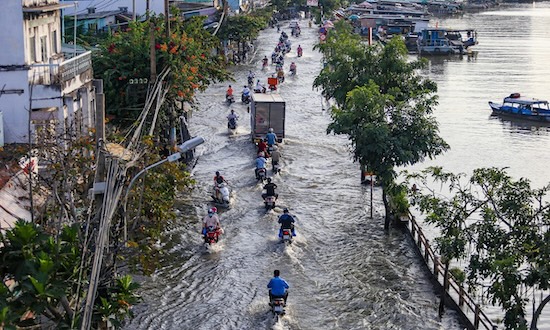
(345, 272)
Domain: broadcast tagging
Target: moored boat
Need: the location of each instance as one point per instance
(438, 41)
(518, 106)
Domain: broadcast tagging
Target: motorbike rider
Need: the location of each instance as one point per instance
(245, 93)
(271, 138)
(299, 50)
(251, 77)
(281, 75)
(265, 61)
(274, 56)
(278, 287)
(293, 68)
(218, 179)
(232, 116)
(210, 220)
(260, 164)
(275, 156)
(259, 87)
(229, 92)
(270, 189)
(262, 147)
(287, 222)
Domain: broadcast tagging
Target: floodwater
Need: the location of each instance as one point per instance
(345, 272)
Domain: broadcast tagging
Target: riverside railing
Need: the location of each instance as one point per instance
(470, 310)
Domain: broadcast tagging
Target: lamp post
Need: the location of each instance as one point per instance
(182, 148)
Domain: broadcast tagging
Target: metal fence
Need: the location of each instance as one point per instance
(58, 73)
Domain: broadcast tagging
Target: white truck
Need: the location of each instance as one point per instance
(267, 111)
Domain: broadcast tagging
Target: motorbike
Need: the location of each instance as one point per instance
(229, 99)
(245, 98)
(223, 194)
(293, 71)
(276, 168)
(212, 235)
(287, 235)
(264, 64)
(278, 307)
(262, 175)
(232, 123)
(263, 90)
(269, 202)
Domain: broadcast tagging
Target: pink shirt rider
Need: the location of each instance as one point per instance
(211, 220)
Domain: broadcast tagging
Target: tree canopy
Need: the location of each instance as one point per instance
(382, 103)
(123, 62)
(500, 226)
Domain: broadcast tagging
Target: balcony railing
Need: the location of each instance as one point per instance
(58, 73)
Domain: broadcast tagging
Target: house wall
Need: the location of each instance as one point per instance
(11, 33)
(15, 106)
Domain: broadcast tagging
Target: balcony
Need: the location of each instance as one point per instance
(62, 73)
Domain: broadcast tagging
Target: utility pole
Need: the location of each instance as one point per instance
(152, 50)
(167, 18)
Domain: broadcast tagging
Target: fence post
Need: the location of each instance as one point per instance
(461, 296)
(436, 268)
(476, 317)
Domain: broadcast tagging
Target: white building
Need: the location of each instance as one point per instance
(137, 6)
(39, 85)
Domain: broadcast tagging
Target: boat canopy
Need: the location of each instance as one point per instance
(524, 100)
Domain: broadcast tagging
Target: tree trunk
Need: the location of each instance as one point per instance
(537, 313)
(444, 290)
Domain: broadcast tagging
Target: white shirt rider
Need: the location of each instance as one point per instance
(259, 86)
(232, 115)
(246, 90)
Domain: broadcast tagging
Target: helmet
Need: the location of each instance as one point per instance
(285, 210)
(213, 210)
(210, 212)
(268, 180)
(270, 130)
(275, 148)
(261, 154)
(217, 173)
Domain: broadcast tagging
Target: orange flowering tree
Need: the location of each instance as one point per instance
(123, 62)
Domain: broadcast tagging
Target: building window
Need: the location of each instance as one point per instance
(44, 49)
(54, 42)
(92, 27)
(32, 48)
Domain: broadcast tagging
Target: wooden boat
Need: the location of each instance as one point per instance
(518, 106)
(438, 41)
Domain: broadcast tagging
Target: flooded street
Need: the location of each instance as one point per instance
(344, 271)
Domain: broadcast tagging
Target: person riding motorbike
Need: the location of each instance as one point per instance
(293, 68)
(271, 137)
(260, 164)
(218, 179)
(210, 220)
(278, 287)
(229, 94)
(270, 189)
(262, 147)
(232, 119)
(281, 75)
(259, 87)
(275, 156)
(245, 96)
(287, 222)
(273, 57)
(265, 62)
(251, 77)
(300, 51)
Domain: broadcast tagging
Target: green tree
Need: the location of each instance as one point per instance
(501, 226)
(382, 104)
(242, 28)
(41, 275)
(124, 57)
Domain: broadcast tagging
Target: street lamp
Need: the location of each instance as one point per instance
(182, 148)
